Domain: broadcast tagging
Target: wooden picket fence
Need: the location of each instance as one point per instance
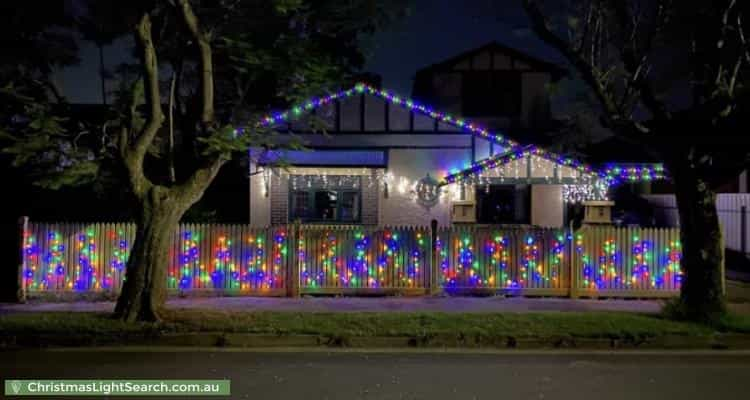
(626, 262)
(513, 260)
(294, 259)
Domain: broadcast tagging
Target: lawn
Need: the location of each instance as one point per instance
(423, 324)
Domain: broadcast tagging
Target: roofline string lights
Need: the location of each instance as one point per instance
(392, 98)
(610, 174)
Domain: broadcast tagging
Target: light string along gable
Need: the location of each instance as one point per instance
(611, 174)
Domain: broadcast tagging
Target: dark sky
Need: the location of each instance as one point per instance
(434, 31)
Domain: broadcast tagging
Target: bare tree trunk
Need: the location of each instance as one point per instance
(144, 290)
(701, 296)
(172, 177)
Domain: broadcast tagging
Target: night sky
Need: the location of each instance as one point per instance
(435, 30)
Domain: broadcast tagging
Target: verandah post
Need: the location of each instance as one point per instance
(573, 262)
(433, 281)
(23, 228)
(292, 261)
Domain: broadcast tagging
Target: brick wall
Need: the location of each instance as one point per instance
(370, 196)
(279, 199)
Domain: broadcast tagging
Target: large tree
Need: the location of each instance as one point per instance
(227, 62)
(672, 77)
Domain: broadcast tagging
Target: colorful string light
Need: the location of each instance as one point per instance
(503, 259)
(390, 97)
(607, 176)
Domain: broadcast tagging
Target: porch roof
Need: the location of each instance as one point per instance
(610, 173)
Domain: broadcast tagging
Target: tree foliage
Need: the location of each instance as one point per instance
(671, 77)
(207, 71)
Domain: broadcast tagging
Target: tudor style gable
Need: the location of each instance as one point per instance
(499, 86)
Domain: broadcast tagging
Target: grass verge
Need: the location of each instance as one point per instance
(532, 325)
(209, 327)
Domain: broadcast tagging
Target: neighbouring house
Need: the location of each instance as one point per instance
(465, 150)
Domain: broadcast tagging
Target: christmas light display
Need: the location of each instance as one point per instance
(557, 259)
(245, 270)
(641, 274)
(276, 277)
(119, 259)
(31, 263)
(640, 269)
(591, 183)
(255, 271)
(390, 97)
(589, 280)
(498, 252)
(672, 274)
(189, 260)
(578, 193)
(85, 271)
(223, 259)
(518, 153)
(448, 274)
(389, 260)
(529, 262)
(614, 174)
(362, 262)
(608, 265)
(222, 264)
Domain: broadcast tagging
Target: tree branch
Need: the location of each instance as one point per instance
(633, 61)
(151, 88)
(588, 72)
(206, 63)
(192, 189)
(134, 155)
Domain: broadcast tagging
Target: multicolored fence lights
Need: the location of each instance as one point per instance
(357, 258)
(511, 259)
(593, 261)
(75, 257)
(233, 258)
(628, 260)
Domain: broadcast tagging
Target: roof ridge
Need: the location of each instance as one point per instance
(392, 98)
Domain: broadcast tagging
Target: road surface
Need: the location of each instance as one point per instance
(289, 374)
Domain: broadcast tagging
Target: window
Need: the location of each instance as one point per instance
(328, 201)
(503, 204)
(491, 93)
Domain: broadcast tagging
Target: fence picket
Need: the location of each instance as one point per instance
(594, 261)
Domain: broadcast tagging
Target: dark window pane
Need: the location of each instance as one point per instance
(325, 205)
(486, 94)
(300, 205)
(503, 204)
(350, 206)
(476, 94)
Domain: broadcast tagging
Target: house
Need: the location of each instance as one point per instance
(387, 160)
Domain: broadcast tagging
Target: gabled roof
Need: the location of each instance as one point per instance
(465, 125)
(610, 172)
(536, 63)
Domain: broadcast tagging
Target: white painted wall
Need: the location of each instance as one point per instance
(413, 164)
(547, 205)
(260, 205)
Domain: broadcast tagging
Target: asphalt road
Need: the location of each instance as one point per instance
(409, 375)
